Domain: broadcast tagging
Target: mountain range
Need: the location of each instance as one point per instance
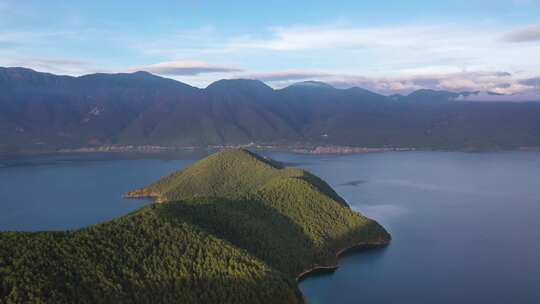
(42, 111)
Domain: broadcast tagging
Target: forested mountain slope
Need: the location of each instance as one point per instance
(40, 111)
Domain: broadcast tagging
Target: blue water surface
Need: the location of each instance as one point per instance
(464, 225)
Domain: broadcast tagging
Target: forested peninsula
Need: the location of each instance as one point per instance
(232, 228)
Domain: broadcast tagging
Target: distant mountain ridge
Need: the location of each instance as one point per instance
(42, 111)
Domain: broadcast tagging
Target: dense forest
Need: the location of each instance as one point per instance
(232, 228)
(45, 112)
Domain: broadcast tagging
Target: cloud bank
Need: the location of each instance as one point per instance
(497, 81)
(490, 86)
(187, 68)
(529, 34)
(531, 82)
(287, 75)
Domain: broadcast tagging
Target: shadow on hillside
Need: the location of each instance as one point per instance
(266, 234)
(252, 226)
(324, 187)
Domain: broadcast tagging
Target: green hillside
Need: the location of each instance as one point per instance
(143, 257)
(236, 228)
(231, 173)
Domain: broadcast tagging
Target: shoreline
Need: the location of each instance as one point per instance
(300, 149)
(143, 193)
(319, 269)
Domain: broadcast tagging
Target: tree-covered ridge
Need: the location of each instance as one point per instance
(143, 257)
(239, 229)
(228, 173)
(266, 197)
(231, 173)
(288, 242)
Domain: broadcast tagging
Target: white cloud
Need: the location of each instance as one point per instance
(65, 66)
(331, 37)
(187, 68)
(516, 97)
(495, 81)
(389, 58)
(286, 75)
(391, 50)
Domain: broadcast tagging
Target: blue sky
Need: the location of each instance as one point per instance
(386, 46)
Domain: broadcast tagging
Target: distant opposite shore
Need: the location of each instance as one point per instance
(303, 149)
(306, 149)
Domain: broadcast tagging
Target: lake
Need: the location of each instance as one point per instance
(464, 225)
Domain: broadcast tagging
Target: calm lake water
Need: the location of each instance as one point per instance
(464, 225)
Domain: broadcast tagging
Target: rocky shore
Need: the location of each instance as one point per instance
(142, 194)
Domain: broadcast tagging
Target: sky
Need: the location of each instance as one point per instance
(385, 46)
